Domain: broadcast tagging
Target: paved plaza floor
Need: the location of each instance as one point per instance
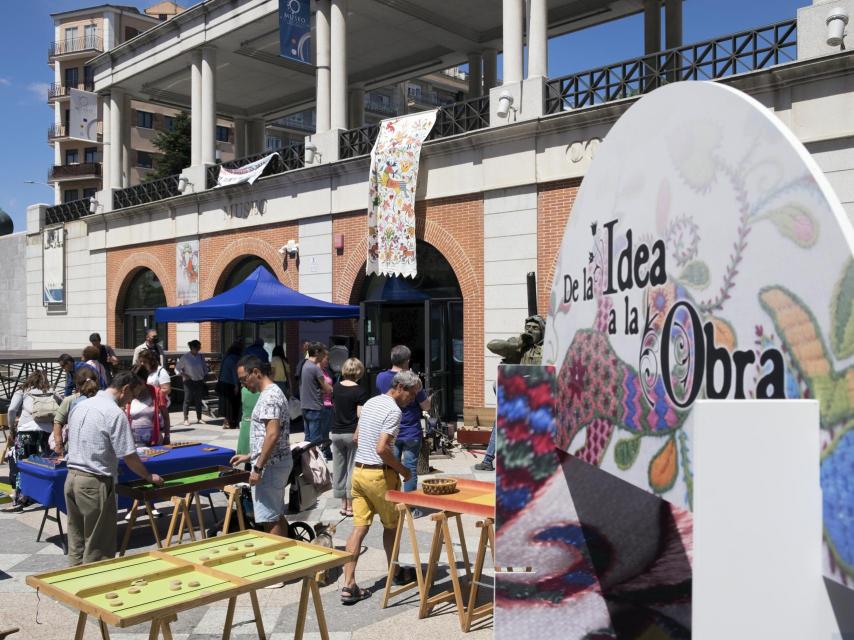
(40, 618)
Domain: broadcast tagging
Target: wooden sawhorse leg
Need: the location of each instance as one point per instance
(162, 626)
(180, 507)
(150, 511)
(310, 586)
(233, 499)
(487, 539)
(404, 518)
(129, 528)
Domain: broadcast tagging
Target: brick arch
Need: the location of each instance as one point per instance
(121, 279)
(239, 249)
(427, 231)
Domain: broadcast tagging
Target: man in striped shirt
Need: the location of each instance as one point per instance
(376, 471)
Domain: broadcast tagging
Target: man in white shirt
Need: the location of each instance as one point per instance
(376, 470)
(193, 370)
(152, 343)
(98, 435)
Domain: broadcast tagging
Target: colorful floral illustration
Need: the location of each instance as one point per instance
(391, 204)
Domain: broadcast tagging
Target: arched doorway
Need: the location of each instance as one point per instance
(142, 296)
(426, 314)
(272, 333)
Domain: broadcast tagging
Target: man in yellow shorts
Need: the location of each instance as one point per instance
(376, 471)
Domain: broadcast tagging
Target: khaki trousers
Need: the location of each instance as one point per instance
(91, 506)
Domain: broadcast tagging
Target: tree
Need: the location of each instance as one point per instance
(174, 146)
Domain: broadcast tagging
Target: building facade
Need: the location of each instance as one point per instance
(496, 185)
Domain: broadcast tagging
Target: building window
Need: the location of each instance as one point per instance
(69, 195)
(70, 37)
(90, 35)
(413, 92)
(169, 123)
(72, 77)
(222, 134)
(71, 156)
(130, 32)
(144, 160)
(89, 192)
(273, 143)
(88, 77)
(144, 120)
(90, 154)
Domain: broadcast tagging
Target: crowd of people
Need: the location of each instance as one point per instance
(373, 437)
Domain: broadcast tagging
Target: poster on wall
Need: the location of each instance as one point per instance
(295, 30)
(83, 115)
(53, 269)
(187, 271)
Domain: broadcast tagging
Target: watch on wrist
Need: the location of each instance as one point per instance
(257, 469)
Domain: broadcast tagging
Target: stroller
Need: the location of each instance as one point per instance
(300, 495)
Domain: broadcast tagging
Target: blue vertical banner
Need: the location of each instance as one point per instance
(295, 30)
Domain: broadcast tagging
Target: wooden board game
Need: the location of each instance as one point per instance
(155, 585)
(177, 444)
(182, 482)
(473, 497)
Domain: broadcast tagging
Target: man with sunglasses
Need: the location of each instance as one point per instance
(269, 445)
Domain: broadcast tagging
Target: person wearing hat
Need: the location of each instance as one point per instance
(193, 370)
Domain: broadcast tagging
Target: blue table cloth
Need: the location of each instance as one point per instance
(46, 486)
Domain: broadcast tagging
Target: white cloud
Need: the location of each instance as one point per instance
(5, 82)
(39, 89)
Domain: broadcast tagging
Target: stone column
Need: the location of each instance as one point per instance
(357, 106)
(490, 69)
(538, 40)
(255, 136)
(196, 108)
(475, 76)
(240, 138)
(322, 50)
(651, 26)
(126, 150)
(116, 142)
(106, 149)
(208, 129)
(513, 25)
(338, 67)
(673, 23)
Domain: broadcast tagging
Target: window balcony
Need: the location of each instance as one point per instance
(59, 90)
(89, 44)
(74, 171)
(59, 131)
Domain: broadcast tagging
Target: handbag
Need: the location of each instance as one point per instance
(315, 471)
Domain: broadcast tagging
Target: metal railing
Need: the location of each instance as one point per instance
(452, 119)
(59, 130)
(287, 158)
(73, 45)
(711, 60)
(61, 90)
(145, 192)
(67, 211)
(14, 374)
(61, 171)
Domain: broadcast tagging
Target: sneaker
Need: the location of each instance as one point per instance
(404, 575)
(484, 466)
(186, 423)
(416, 513)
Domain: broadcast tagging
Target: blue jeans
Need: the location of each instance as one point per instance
(312, 424)
(407, 452)
(326, 416)
(490, 448)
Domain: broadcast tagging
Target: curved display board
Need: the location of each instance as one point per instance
(706, 257)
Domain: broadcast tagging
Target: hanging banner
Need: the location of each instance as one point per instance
(187, 272)
(295, 30)
(83, 115)
(391, 188)
(53, 266)
(247, 173)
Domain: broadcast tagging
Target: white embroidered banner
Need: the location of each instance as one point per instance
(247, 173)
(391, 205)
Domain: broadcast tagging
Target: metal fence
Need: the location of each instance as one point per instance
(285, 159)
(72, 45)
(67, 211)
(711, 60)
(146, 192)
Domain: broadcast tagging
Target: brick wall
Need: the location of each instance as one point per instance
(554, 203)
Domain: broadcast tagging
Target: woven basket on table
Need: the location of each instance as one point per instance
(439, 486)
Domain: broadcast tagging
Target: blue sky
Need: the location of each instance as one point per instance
(27, 30)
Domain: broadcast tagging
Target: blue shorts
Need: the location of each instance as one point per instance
(268, 496)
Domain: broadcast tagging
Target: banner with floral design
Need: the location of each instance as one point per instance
(391, 184)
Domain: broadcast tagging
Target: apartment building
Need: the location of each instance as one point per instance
(79, 36)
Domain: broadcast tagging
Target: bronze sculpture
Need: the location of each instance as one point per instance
(526, 348)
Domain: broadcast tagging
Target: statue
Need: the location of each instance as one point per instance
(526, 348)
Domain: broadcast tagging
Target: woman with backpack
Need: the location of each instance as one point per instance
(86, 385)
(34, 405)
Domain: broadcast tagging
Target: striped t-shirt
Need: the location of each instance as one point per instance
(380, 415)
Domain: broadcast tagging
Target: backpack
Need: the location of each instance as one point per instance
(44, 406)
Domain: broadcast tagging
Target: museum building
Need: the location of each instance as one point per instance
(497, 178)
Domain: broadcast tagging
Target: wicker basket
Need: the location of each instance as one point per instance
(439, 486)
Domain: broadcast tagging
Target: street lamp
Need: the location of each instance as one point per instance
(44, 184)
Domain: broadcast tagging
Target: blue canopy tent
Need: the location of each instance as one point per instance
(259, 298)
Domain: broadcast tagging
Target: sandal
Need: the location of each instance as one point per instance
(348, 513)
(354, 594)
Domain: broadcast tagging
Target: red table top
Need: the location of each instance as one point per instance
(473, 497)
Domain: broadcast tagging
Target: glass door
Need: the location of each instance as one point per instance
(370, 323)
(137, 323)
